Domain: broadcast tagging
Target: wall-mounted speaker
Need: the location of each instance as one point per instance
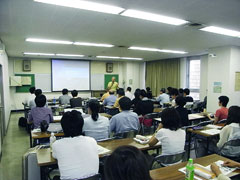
(26, 65)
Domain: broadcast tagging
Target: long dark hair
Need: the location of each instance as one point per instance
(94, 107)
(233, 115)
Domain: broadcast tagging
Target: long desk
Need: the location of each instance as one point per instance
(172, 173)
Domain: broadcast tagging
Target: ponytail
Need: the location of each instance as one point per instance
(94, 107)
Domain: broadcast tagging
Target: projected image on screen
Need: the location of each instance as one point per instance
(70, 74)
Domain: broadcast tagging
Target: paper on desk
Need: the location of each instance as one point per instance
(211, 131)
(195, 116)
(36, 130)
(225, 170)
(57, 118)
(213, 126)
(102, 150)
(80, 110)
(158, 119)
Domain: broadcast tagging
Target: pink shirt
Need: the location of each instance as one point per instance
(222, 113)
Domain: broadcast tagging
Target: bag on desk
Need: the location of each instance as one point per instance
(22, 122)
(44, 126)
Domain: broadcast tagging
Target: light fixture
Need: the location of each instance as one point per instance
(39, 54)
(70, 55)
(116, 57)
(223, 31)
(153, 17)
(86, 5)
(157, 50)
(92, 44)
(48, 41)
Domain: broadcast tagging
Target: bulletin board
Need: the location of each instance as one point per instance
(25, 88)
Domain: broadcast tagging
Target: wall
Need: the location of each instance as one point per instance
(126, 71)
(203, 77)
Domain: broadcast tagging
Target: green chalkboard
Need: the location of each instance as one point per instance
(25, 88)
(108, 78)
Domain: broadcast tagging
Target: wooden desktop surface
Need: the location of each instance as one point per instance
(172, 173)
(39, 135)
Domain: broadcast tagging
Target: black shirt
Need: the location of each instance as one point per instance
(183, 112)
(144, 107)
(76, 102)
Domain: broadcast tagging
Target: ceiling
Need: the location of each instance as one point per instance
(21, 19)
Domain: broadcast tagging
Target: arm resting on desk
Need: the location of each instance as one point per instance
(154, 140)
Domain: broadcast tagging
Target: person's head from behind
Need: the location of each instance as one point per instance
(129, 89)
(40, 100)
(180, 101)
(38, 92)
(65, 91)
(74, 93)
(93, 108)
(72, 123)
(32, 90)
(170, 119)
(186, 92)
(163, 90)
(148, 89)
(233, 115)
(223, 101)
(120, 92)
(180, 90)
(125, 103)
(126, 163)
(169, 89)
(111, 92)
(174, 93)
(137, 93)
(143, 94)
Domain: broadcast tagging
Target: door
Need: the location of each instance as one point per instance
(1, 110)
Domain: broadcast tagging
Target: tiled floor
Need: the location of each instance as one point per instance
(15, 144)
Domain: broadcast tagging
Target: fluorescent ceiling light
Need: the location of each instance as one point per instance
(70, 55)
(223, 31)
(91, 6)
(153, 17)
(48, 41)
(92, 44)
(157, 50)
(39, 54)
(116, 57)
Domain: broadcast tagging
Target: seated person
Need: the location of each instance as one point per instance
(128, 93)
(163, 97)
(32, 103)
(110, 100)
(120, 93)
(222, 112)
(105, 95)
(65, 98)
(145, 106)
(126, 163)
(30, 98)
(149, 93)
(125, 120)
(75, 101)
(96, 126)
(180, 91)
(174, 94)
(183, 112)
(169, 133)
(40, 113)
(186, 93)
(77, 155)
(136, 97)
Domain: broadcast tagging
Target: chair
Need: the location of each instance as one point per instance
(204, 123)
(231, 149)
(127, 134)
(147, 121)
(223, 121)
(167, 160)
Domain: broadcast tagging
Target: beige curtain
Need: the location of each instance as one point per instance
(162, 74)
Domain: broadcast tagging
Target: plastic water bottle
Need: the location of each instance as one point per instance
(189, 170)
(52, 139)
(54, 100)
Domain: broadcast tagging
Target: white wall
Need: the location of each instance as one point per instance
(6, 89)
(203, 77)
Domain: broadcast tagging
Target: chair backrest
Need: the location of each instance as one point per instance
(222, 121)
(165, 160)
(127, 134)
(95, 177)
(152, 115)
(204, 123)
(231, 148)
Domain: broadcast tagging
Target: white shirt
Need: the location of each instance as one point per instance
(172, 141)
(77, 157)
(97, 129)
(129, 95)
(163, 98)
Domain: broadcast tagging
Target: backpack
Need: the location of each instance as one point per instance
(22, 122)
(44, 126)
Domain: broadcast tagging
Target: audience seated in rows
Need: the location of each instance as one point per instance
(75, 101)
(96, 126)
(120, 93)
(183, 112)
(65, 98)
(128, 93)
(110, 100)
(163, 97)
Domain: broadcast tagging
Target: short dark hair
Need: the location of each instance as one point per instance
(111, 92)
(32, 90)
(127, 163)
(180, 101)
(224, 100)
(129, 89)
(174, 91)
(186, 91)
(72, 123)
(137, 93)
(143, 93)
(121, 92)
(125, 103)
(38, 92)
(180, 90)
(74, 93)
(233, 115)
(169, 89)
(163, 90)
(40, 100)
(170, 119)
(148, 89)
(64, 91)
(94, 106)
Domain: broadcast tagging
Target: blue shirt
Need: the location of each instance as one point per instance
(163, 98)
(124, 121)
(110, 100)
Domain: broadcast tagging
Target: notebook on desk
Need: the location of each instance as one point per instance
(54, 127)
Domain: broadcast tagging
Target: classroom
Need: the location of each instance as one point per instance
(150, 85)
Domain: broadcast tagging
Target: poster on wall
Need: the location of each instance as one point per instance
(237, 81)
(217, 87)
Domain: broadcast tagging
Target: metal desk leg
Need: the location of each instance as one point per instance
(31, 144)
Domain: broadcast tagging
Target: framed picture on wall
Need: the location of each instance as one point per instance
(109, 67)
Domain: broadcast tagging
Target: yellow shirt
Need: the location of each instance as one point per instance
(116, 105)
(105, 96)
(113, 86)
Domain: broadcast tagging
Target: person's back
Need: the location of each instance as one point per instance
(163, 97)
(75, 101)
(128, 93)
(65, 98)
(110, 100)
(145, 106)
(149, 93)
(183, 112)
(186, 93)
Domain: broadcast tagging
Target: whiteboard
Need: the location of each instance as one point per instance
(97, 82)
(43, 81)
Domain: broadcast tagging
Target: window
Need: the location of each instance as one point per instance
(193, 77)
